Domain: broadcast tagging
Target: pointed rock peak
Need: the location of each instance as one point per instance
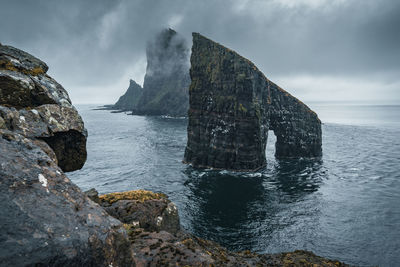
(133, 83)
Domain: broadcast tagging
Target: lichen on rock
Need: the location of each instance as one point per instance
(151, 211)
(45, 219)
(139, 195)
(34, 105)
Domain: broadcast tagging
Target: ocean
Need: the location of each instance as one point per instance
(344, 206)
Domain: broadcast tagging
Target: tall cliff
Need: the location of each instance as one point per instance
(130, 99)
(232, 107)
(165, 87)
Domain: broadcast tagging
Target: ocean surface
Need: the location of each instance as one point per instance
(345, 206)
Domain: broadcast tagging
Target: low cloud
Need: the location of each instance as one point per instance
(307, 46)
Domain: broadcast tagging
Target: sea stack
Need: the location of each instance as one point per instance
(130, 99)
(232, 105)
(166, 83)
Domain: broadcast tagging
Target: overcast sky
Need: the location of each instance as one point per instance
(318, 50)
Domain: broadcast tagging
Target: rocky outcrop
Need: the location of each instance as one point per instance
(232, 107)
(45, 219)
(36, 106)
(141, 209)
(130, 99)
(166, 83)
(156, 238)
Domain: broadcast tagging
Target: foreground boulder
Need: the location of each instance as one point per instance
(140, 208)
(36, 106)
(45, 219)
(232, 107)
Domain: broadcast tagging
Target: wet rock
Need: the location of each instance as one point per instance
(232, 107)
(144, 209)
(45, 219)
(130, 99)
(36, 106)
(24, 82)
(93, 195)
(15, 59)
(165, 87)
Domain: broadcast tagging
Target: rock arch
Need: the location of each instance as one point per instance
(232, 107)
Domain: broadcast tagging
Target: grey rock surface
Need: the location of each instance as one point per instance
(45, 219)
(36, 106)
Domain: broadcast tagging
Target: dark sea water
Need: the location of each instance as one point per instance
(345, 206)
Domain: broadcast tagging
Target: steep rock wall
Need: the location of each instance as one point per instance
(232, 107)
(166, 83)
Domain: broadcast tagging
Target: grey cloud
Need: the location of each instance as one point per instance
(91, 43)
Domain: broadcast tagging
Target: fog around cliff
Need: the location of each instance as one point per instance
(318, 50)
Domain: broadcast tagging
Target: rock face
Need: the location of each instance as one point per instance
(130, 99)
(232, 107)
(36, 106)
(45, 219)
(165, 87)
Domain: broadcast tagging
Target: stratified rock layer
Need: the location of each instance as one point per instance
(232, 107)
(165, 87)
(130, 99)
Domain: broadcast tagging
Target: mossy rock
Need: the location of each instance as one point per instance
(139, 195)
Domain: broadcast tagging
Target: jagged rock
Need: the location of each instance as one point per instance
(165, 87)
(171, 246)
(165, 249)
(36, 106)
(144, 209)
(45, 219)
(232, 107)
(130, 99)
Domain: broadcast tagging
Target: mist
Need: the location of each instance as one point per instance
(318, 50)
